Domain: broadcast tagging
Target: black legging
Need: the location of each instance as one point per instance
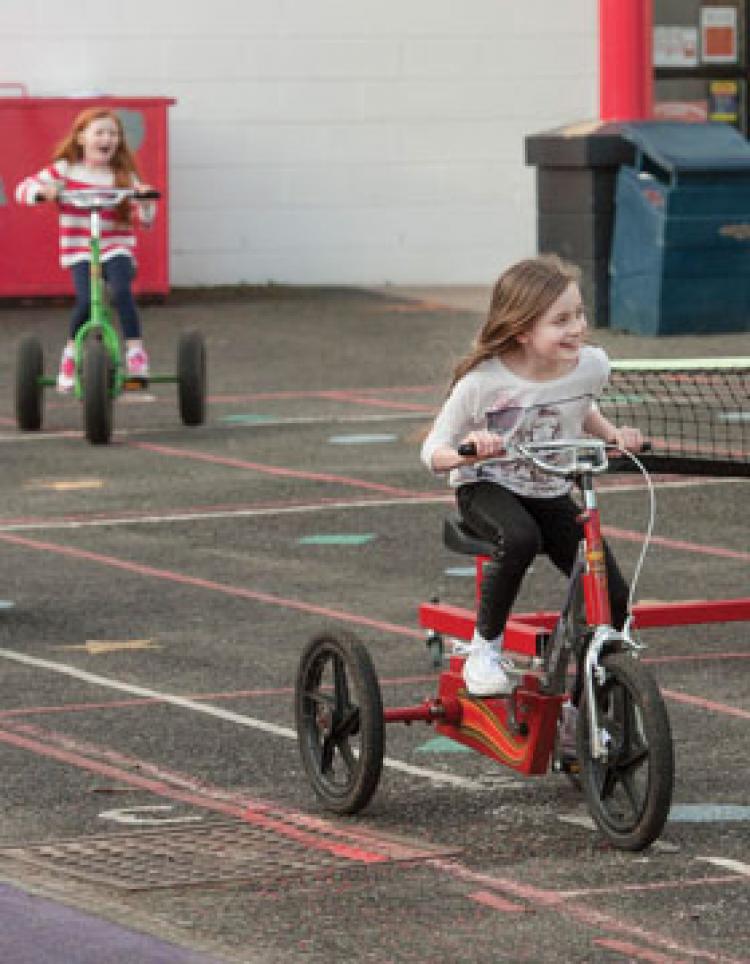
(118, 273)
(520, 528)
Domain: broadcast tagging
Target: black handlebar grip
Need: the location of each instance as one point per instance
(467, 449)
(647, 447)
(152, 195)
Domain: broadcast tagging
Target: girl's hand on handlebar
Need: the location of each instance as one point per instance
(46, 192)
(483, 444)
(626, 437)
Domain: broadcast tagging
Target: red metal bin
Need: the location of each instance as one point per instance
(30, 128)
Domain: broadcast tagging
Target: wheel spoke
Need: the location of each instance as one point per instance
(347, 756)
(608, 783)
(626, 779)
(318, 697)
(341, 687)
(347, 724)
(326, 754)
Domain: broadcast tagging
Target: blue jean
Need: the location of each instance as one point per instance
(118, 273)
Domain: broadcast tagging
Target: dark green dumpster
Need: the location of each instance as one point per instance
(680, 261)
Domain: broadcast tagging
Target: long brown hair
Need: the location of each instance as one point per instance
(521, 295)
(123, 162)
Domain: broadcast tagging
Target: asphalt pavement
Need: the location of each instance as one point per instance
(156, 594)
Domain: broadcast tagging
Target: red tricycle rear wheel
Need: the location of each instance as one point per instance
(340, 723)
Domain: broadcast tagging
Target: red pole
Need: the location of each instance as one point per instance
(626, 82)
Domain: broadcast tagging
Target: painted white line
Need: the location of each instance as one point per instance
(582, 819)
(389, 416)
(736, 865)
(155, 518)
(435, 776)
(130, 815)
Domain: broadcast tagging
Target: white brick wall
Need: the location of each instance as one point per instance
(331, 141)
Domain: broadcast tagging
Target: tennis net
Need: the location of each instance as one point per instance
(695, 412)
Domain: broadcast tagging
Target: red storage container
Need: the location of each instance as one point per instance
(30, 129)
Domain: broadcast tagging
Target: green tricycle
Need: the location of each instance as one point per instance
(100, 375)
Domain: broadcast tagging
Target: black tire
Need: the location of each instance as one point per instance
(29, 391)
(191, 377)
(629, 794)
(339, 718)
(97, 392)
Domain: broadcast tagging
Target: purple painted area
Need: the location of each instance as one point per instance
(34, 930)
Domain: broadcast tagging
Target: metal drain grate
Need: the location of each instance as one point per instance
(214, 853)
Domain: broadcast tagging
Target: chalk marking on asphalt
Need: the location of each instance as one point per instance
(246, 812)
(581, 913)
(680, 884)
(95, 647)
(706, 704)
(728, 864)
(263, 468)
(631, 536)
(428, 498)
(361, 439)
(337, 539)
(267, 598)
(132, 816)
(633, 952)
(64, 485)
(708, 813)
(582, 819)
(435, 776)
(227, 695)
(496, 902)
(239, 592)
(323, 505)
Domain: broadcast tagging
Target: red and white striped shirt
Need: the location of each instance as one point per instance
(116, 237)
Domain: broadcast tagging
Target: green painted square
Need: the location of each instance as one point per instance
(338, 539)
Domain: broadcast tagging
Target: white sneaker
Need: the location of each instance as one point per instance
(485, 672)
(66, 375)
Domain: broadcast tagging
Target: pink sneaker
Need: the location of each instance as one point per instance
(136, 362)
(66, 374)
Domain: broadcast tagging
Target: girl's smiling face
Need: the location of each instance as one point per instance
(554, 341)
(98, 141)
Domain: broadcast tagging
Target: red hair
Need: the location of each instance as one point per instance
(123, 163)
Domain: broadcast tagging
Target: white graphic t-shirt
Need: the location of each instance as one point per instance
(492, 397)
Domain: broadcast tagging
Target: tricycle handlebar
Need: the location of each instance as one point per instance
(585, 455)
(93, 198)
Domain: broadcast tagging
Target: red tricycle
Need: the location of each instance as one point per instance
(623, 744)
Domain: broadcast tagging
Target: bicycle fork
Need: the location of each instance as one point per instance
(598, 615)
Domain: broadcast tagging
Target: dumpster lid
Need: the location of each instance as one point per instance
(678, 146)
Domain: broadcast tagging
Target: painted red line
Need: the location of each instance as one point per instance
(359, 399)
(284, 395)
(274, 470)
(635, 953)
(555, 900)
(198, 697)
(257, 596)
(496, 902)
(364, 839)
(659, 885)
(185, 580)
(162, 789)
(228, 508)
(706, 704)
(694, 657)
(630, 536)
